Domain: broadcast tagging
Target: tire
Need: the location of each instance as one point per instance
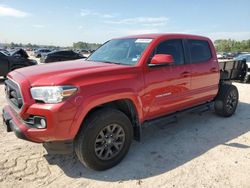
(91, 138)
(226, 101)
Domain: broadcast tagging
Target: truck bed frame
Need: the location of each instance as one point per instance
(232, 70)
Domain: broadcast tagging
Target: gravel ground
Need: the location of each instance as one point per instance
(200, 150)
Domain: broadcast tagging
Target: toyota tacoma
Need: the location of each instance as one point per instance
(101, 103)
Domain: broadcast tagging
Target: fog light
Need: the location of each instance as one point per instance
(43, 123)
(40, 122)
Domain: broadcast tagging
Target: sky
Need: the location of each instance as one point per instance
(62, 22)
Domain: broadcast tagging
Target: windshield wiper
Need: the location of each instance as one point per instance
(111, 62)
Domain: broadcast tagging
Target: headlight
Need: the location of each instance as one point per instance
(52, 94)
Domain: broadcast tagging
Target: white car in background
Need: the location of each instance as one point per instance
(41, 52)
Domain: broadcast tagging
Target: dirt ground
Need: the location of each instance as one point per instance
(200, 150)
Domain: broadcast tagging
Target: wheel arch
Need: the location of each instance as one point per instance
(126, 105)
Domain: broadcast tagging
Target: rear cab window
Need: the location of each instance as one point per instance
(199, 51)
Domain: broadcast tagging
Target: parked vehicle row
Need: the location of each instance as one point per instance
(229, 55)
(61, 55)
(18, 58)
(38, 53)
(6, 52)
(14, 60)
(41, 52)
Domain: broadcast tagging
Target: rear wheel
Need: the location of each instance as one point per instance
(104, 139)
(227, 100)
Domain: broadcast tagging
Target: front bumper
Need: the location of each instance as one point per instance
(59, 117)
(59, 121)
(10, 125)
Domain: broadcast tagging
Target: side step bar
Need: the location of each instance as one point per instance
(174, 116)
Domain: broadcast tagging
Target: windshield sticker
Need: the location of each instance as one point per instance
(134, 59)
(143, 40)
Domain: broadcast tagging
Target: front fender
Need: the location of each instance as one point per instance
(86, 105)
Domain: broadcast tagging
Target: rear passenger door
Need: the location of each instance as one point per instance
(205, 71)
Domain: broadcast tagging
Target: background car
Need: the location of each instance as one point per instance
(247, 58)
(62, 55)
(41, 52)
(221, 56)
(5, 51)
(17, 59)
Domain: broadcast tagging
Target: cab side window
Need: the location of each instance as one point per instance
(199, 51)
(172, 47)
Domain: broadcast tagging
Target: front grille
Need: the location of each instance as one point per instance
(13, 94)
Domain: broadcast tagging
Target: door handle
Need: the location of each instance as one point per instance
(185, 74)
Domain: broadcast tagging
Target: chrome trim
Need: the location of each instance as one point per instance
(10, 103)
(163, 95)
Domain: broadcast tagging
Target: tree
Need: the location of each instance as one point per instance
(80, 45)
(85, 45)
(229, 45)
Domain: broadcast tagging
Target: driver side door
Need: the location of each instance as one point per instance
(167, 87)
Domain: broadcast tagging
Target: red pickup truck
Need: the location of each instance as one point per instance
(101, 103)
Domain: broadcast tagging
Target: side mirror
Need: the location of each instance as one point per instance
(161, 59)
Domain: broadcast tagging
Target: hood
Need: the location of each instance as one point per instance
(65, 72)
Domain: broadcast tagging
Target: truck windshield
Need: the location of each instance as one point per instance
(121, 51)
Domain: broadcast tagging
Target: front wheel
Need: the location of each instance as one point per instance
(226, 101)
(104, 139)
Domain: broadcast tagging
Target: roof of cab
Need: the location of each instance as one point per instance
(159, 35)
